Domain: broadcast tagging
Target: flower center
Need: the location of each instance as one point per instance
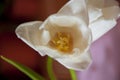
(62, 41)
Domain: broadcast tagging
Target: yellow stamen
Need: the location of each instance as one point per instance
(62, 41)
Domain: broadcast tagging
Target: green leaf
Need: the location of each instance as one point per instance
(30, 73)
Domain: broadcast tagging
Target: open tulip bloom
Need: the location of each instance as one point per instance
(67, 35)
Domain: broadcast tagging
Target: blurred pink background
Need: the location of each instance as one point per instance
(106, 57)
(105, 51)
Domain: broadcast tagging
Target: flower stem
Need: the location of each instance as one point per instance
(50, 69)
(73, 74)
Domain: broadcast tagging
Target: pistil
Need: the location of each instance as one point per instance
(62, 41)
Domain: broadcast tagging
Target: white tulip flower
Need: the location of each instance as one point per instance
(66, 36)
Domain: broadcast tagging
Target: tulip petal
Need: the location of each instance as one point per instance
(75, 8)
(100, 27)
(112, 12)
(30, 34)
(80, 62)
(94, 13)
(98, 3)
(107, 21)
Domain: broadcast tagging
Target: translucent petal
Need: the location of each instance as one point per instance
(112, 12)
(101, 26)
(97, 4)
(57, 23)
(78, 62)
(94, 13)
(75, 8)
(30, 34)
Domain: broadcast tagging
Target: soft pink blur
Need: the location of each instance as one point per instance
(106, 57)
